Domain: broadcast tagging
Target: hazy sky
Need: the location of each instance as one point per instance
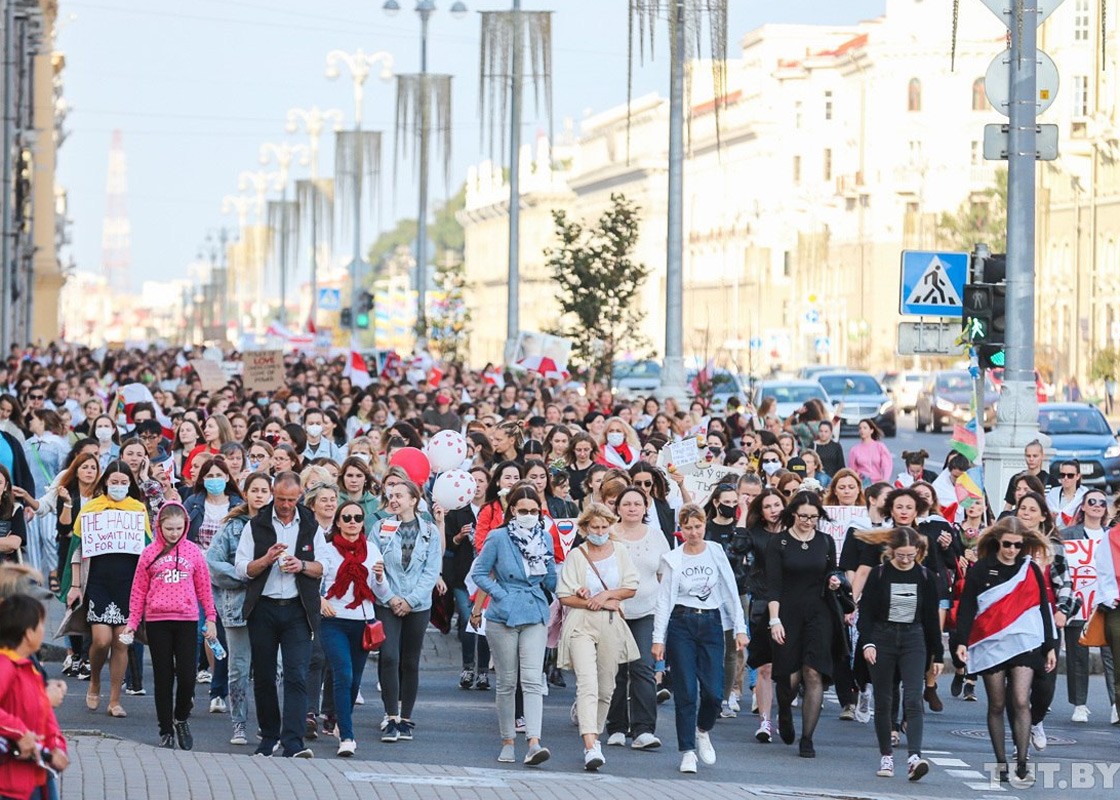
(196, 87)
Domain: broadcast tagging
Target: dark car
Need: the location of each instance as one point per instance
(946, 399)
(1080, 430)
(857, 395)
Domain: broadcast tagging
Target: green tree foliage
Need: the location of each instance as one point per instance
(450, 318)
(1106, 364)
(980, 218)
(445, 232)
(598, 285)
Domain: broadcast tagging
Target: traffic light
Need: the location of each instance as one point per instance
(992, 356)
(365, 301)
(985, 313)
(361, 320)
(347, 317)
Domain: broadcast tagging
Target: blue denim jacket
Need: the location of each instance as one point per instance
(229, 589)
(414, 584)
(515, 598)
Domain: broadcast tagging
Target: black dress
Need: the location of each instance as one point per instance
(108, 587)
(749, 548)
(797, 576)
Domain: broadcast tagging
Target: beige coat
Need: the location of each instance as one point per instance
(607, 627)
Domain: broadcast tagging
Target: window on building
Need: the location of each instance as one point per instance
(797, 115)
(1081, 21)
(796, 170)
(915, 147)
(828, 105)
(979, 96)
(787, 264)
(977, 157)
(1080, 95)
(828, 163)
(914, 95)
(912, 207)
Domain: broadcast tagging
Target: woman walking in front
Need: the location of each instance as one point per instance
(597, 577)
(1006, 651)
(900, 633)
(697, 601)
(515, 568)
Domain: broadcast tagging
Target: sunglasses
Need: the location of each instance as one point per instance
(644, 484)
(1068, 474)
(771, 461)
(1096, 501)
(1011, 545)
(37, 397)
(352, 517)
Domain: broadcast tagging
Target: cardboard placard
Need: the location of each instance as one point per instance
(211, 374)
(1082, 574)
(705, 478)
(263, 371)
(113, 531)
(840, 519)
(682, 454)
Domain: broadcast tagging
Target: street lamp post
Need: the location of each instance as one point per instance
(424, 10)
(359, 64)
(240, 204)
(673, 376)
(284, 153)
(259, 182)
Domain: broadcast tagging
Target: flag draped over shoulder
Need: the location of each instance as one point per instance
(1007, 623)
(132, 393)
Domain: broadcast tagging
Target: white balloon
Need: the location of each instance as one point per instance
(446, 450)
(453, 490)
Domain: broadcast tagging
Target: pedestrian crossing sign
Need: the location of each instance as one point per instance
(932, 284)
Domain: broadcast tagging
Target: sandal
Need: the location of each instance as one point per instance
(93, 701)
(54, 584)
(117, 711)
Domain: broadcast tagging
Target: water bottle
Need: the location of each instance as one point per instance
(217, 649)
(126, 639)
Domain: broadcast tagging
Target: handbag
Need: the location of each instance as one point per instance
(373, 636)
(1092, 635)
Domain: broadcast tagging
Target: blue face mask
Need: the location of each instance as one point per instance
(116, 493)
(215, 485)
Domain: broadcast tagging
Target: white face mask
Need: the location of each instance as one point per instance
(363, 457)
(598, 539)
(770, 467)
(526, 521)
(116, 492)
(615, 438)
(293, 408)
(314, 431)
(104, 434)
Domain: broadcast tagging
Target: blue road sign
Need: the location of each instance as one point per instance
(756, 343)
(330, 299)
(823, 344)
(812, 316)
(932, 284)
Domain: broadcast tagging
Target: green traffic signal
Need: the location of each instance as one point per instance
(362, 320)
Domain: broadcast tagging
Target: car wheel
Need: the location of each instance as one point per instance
(890, 433)
(918, 421)
(937, 426)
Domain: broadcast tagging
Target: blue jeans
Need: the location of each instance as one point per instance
(476, 650)
(694, 650)
(342, 645)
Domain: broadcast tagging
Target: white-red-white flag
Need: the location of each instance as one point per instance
(1008, 621)
(356, 370)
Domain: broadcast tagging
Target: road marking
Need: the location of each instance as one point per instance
(971, 774)
(464, 781)
(979, 787)
(949, 762)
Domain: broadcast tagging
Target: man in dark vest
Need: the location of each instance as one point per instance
(277, 554)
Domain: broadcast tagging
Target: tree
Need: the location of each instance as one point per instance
(1106, 365)
(450, 319)
(445, 232)
(599, 285)
(980, 218)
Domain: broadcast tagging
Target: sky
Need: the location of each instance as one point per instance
(196, 87)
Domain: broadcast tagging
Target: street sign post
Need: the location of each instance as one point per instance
(1002, 9)
(997, 82)
(997, 142)
(928, 338)
(932, 283)
(330, 299)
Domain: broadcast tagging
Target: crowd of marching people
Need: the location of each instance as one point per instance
(272, 541)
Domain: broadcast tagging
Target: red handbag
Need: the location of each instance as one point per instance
(373, 636)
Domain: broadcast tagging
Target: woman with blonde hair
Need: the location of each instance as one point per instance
(595, 640)
(621, 447)
(1006, 651)
(845, 489)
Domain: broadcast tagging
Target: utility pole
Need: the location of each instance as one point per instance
(1017, 423)
(7, 234)
(513, 304)
(672, 373)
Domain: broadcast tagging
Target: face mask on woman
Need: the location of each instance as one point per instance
(726, 510)
(314, 431)
(214, 485)
(117, 493)
(104, 434)
(526, 521)
(363, 457)
(770, 467)
(615, 438)
(598, 539)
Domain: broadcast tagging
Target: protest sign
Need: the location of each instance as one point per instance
(567, 530)
(113, 531)
(840, 519)
(682, 455)
(1082, 574)
(211, 374)
(707, 477)
(263, 371)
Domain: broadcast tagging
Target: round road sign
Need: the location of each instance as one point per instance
(997, 83)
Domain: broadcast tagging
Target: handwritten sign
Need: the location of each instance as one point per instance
(681, 454)
(567, 530)
(211, 374)
(840, 519)
(706, 478)
(113, 531)
(263, 370)
(1082, 574)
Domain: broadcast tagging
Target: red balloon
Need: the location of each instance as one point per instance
(414, 462)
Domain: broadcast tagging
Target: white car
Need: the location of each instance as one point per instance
(790, 395)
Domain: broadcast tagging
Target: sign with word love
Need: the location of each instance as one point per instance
(567, 530)
(263, 370)
(840, 518)
(1082, 574)
(113, 531)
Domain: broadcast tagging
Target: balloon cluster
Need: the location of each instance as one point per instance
(445, 451)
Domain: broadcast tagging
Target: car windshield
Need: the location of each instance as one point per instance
(1087, 421)
(840, 385)
(792, 394)
(954, 383)
(642, 369)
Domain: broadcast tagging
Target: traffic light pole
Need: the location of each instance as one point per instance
(1017, 423)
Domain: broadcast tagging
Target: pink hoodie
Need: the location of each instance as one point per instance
(170, 587)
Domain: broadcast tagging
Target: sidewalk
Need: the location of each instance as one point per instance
(113, 768)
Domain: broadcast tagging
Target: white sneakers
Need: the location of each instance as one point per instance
(593, 758)
(765, 732)
(886, 767)
(865, 705)
(688, 762)
(1080, 714)
(1038, 737)
(704, 748)
(617, 740)
(733, 702)
(726, 711)
(218, 706)
(347, 747)
(644, 741)
(916, 767)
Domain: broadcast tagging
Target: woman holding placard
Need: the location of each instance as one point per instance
(112, 530)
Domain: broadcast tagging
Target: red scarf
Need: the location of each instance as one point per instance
(353, 572)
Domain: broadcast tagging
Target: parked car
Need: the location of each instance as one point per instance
(1080, 430)
(790, 395)
(904, 387)
(857, 395)
(813, 370)
(726, 385)
(946, 398)
(637, 377)
(1039, 387)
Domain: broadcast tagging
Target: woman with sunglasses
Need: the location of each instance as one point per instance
(659, 512)
(770, 461)
(1092, 524)
(1065, 499)
(801, 583)
(354, 578)
(1007, 653)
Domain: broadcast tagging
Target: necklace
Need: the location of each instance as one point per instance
(804, 542)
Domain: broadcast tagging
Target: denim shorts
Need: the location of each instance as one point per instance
(943, 604)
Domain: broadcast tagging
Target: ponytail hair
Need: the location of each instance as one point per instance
(894, 538)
